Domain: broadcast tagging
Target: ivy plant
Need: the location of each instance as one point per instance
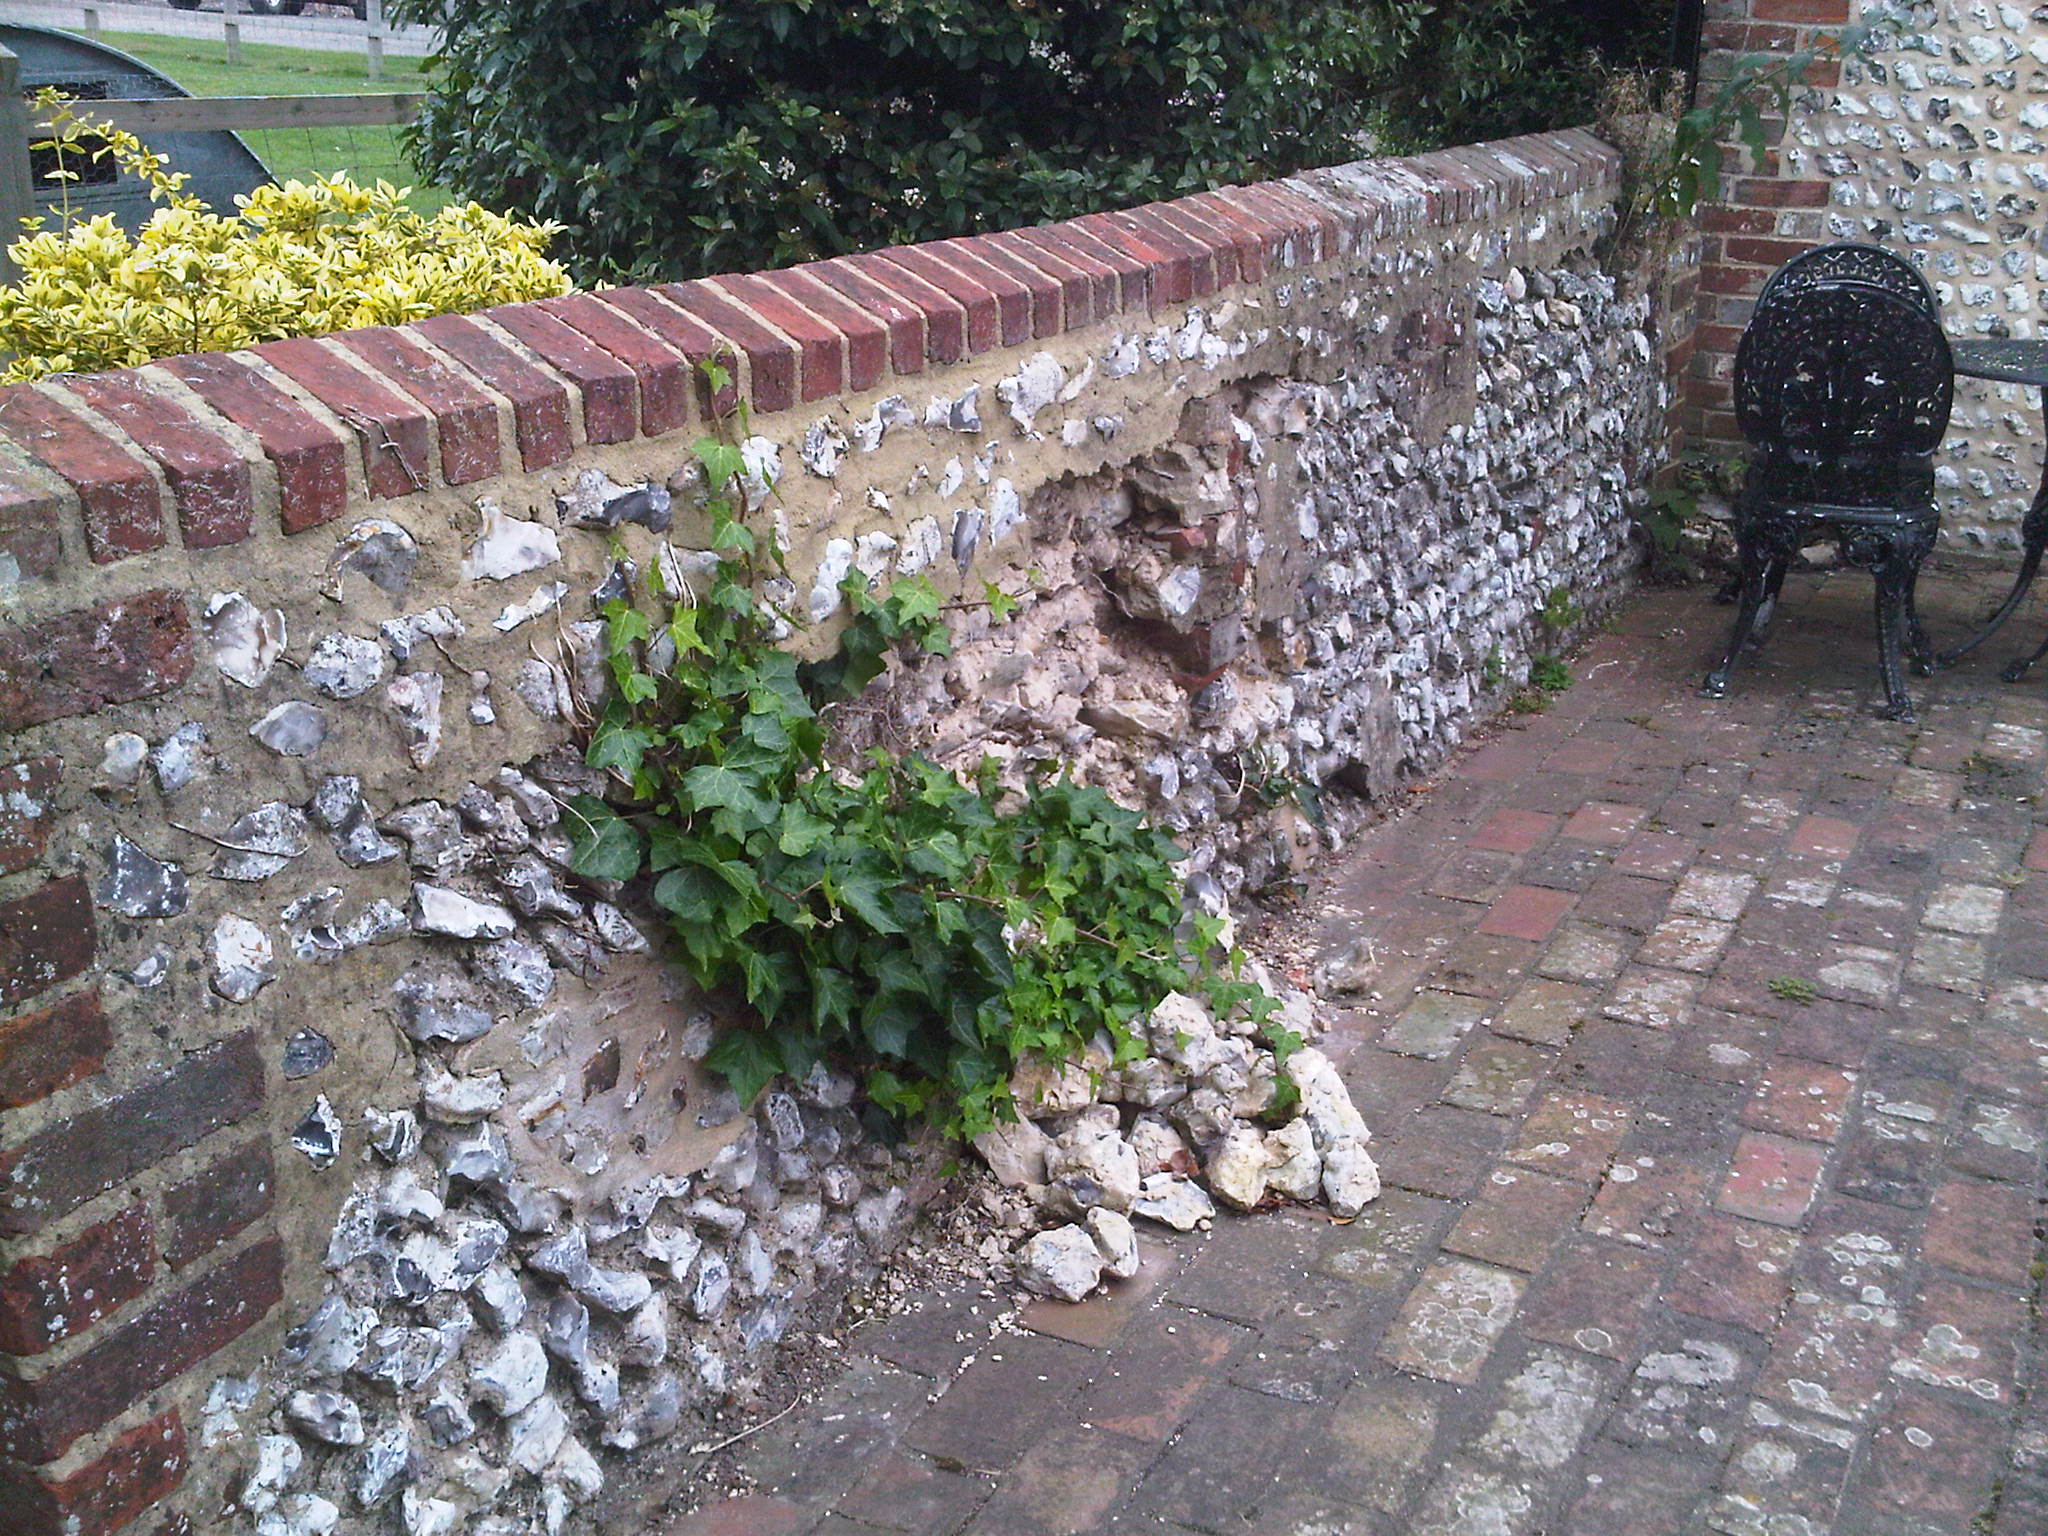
(928, 932)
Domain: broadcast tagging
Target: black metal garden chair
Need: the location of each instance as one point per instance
(1845, 261)
(1842, 388)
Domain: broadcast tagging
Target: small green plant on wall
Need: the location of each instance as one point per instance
(928, 932)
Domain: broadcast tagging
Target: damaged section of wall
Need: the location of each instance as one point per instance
(358, 1172)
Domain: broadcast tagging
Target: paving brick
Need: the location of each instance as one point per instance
(1440, 1151)
(1964, 1338)
(1933, 1466)
(1733, 1271)
(1067, 1485)
(1636, 1492)
(1474, 874)
(1470, 1497)
(1982, 1229)
(1583, 952)
(1496, 1077)
(1517, 1219)
(1238, 1456)
(1545, 1409)
(1484, 965)
(1771, 1179)
(906, 1492)
(748, 1514)
(1511, 831)
(1686, 944)
(1246, 1266)
(1163, 1367)
(1381, 1250)
(1452, 1319)
(1572, 1135)
(1600, 821)
(1432, 1025)
(1648, 1201)
(1785, 1471)
(1596, 1296)
(812, 1457)
(1617, 900)
(1528, 912)
(1656, 855)
(1652, 996)
(1543, 1012)
(1801, 1099)
(1373, 1449)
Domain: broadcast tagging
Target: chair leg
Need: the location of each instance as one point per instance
(2018, 668)
(1894, 597)
(1759, 569)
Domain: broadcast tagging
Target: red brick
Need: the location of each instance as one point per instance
(1510, 831)
(48, 1298)
(867, 338)
(774, 366)
(1769, 253)
(665, 374)
(945, 317)
(1088, 286)
(1736, 221)
(1219, 245)
(1986, 1230)
(1825, 13)
(1526, 912)
(1027, 299)
(27, 811)
(59, 1169)
(1255, 237)
(79, 662)
(141, 1467)
(906, 322)
(2036, 857)
(45, 937)
(465, 418)
(540, 403)
(1735, 1272)
(219, 1201)
(689, 336)
(393, 431)
(1170, 271)
(40, 1418)
(821, 349)
(1201, 260)
(608, 387)
(311, 461)
(1724, 277)
(1771, 1178)
(30, 515)
(123, 512)
(208, 475)
(52, 1048)
(1779, 192)
(983, 328)
(1800, 1098)
(1131, 275)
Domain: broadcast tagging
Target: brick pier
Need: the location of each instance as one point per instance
(1706, 1049)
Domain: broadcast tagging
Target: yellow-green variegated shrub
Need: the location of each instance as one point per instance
(298, 260)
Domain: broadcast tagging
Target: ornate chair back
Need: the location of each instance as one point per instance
(1848, 262)
(1844, 390)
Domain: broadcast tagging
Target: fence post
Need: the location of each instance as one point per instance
(91, 17)
(231, 30)
(373, 39)
(17, 192)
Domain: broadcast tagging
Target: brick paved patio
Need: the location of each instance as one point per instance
(1706, 1052)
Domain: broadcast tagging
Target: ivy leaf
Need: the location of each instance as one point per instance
(710, 785)
(619, 749)
(746, 1059)
(862, 895)
(606, 846)
(799, 831)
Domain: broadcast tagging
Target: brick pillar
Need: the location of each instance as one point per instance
(117, 1276)
(1767, 212)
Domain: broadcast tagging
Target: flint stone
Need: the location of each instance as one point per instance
(657, 1416)
(1351, 1180)
(675, 1249)
(500, 1298)
(377, 549)
(1015, 1153)
(330, 1341)
(1064, 1262)
(433, 837)
(1296, 1170)
(512, 1376)
(332, 1418)
(278, 1459)
(508, 546)
(395, 1135)
(447, 1417)
(1237, 1168)
(537, 1433)
(293, 729)
(436, 909)
(241, 959)
(385, 1463)
(343, 666)
(264, 841)
(1115, 1241)
(137, 885)
(121, 764)
(318, 1135)
(176, 759)
(245, 642)
(415, 698)
(565, 1330)
(1173, 1202)
(713, 1286)
(644, 1340)
(517, 966)
(615, 931)
(450, 1100)
(1100, 1155)
(434, 1006)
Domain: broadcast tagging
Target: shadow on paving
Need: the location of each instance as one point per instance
(1705, 1046)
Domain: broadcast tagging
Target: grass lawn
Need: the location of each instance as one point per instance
(368, 154)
